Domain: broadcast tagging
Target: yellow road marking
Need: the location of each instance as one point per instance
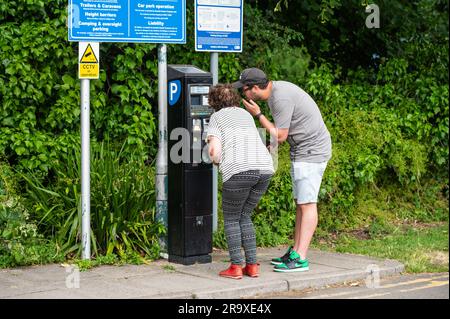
(430, 285)
(413, 281)
(404, 283)
(370, 296)
(332, 295)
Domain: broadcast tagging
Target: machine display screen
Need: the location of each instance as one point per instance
(199, 89)
(195, 100)
(199, 100)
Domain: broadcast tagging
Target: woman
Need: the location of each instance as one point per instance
(246, 167)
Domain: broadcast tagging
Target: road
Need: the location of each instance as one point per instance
(420, 286)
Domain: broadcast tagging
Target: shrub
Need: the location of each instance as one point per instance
(20, 241)
(122, 203)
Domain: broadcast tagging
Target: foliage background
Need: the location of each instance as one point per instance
(383, 94)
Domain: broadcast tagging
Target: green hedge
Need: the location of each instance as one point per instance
(389, 123)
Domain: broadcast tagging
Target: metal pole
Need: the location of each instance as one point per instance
(162, 158)
(214, 67)
(85, 171)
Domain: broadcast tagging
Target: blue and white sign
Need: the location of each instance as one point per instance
(174, 89)
(153, 21)
(218, 25)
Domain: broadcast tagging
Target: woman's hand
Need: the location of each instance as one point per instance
(214, 149)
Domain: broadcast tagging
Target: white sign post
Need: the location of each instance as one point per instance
(88, 68)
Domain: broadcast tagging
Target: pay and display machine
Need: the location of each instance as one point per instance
(189, 168)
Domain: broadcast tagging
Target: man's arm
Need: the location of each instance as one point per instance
(280, 134)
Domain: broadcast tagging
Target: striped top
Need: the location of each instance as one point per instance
(242, 147)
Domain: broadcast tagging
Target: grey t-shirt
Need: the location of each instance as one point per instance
(293, 108)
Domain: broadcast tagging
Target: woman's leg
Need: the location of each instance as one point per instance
(247, 228)
(235, 192)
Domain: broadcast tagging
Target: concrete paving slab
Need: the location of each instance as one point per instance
(37, 279)
(127, 271)
(162, 279)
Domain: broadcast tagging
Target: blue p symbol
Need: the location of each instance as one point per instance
(174, 91)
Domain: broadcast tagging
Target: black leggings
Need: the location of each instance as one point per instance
(240, 195)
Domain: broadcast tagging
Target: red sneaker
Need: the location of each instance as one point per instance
(251, 270)
(234, 272)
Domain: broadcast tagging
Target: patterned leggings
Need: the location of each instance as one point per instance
(240, 195)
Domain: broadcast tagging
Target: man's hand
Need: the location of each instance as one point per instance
(251, 106)
(280, 134)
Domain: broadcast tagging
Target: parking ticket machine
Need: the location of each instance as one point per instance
(189, 168)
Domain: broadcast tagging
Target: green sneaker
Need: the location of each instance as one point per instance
(282, 259)
(294, 264)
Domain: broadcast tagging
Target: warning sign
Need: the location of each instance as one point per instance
(89, 54)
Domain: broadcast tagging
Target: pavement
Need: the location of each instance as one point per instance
(163, 280)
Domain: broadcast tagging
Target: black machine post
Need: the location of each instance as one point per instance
(189, 168)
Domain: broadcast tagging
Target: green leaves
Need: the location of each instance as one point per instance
(388, 119)
(20, 241)
(122, 202)
(40, 91)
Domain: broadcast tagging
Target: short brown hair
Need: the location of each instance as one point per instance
(223, 95)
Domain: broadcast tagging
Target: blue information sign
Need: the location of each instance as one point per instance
(218, 25)
(154, 21)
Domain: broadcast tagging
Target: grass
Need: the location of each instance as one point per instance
(129, 257)
(169, 268)
(421, 247)
(26, 254)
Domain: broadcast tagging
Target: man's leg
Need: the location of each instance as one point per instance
(298, 225)
(304, 233)
(298, 211)
(307, 178)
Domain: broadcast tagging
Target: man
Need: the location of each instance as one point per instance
(299, 121)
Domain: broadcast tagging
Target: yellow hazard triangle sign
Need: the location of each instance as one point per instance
(89, 56)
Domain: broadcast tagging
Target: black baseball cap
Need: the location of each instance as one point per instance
(250, 76)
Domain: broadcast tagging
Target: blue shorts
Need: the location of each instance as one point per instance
(306, 180)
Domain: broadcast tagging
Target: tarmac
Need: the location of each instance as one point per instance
(163, 280)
